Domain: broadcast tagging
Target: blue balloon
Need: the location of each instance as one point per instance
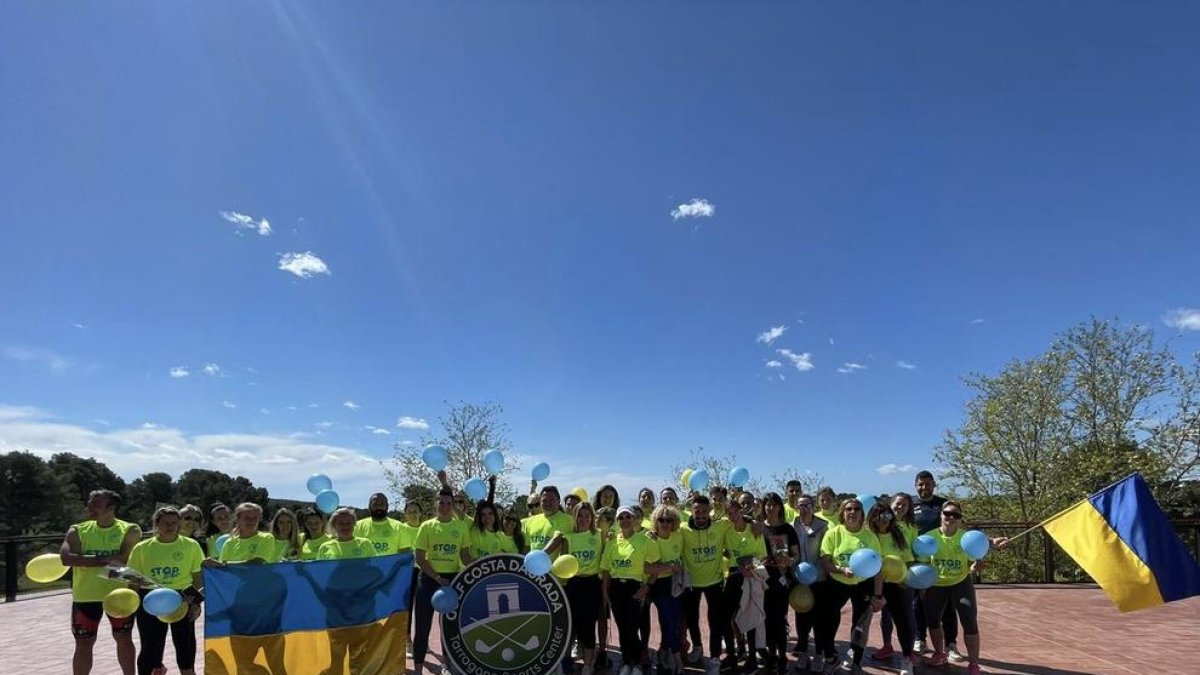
(865, 563)
(318, 482)
(925, 545)
(806, 573)
(699, 480)
(327, 501)
(920, 577)
(219, 544)
(739, 476)
(162, 601)
(434, 457)
(476, 489)
(445, 599)
(975, 544)
(493, 461)
(867, 502)
(541, 471)
(537, 563)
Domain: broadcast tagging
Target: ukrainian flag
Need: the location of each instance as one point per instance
(1123, 540)
(329, 617)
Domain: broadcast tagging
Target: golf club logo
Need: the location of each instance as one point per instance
(506, 620)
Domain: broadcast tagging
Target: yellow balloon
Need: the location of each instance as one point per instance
(685, 479)
(801, 599)
(177, 615)
(894, 569)
(45, 568)
(121, 603)
(581, 493)
(565, 566)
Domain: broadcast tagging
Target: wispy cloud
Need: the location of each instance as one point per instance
(212, 369)
(351, 405)
(179, 372)
(229, 404)
(850, 367)
(326, 424)
(976, 322)
(151, 425)
(1183, 318)
(889, 469)
(36, 355)
(774, 364)
(378, 431)
(407, 422)
(304, 265)
(697, 208)
(245, 222)
(20, 412)
(264, 411)
(80, 326)
(906, 365)
(802, 362)
(770, 335)
(314, 405)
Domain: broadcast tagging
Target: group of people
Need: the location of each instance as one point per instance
(733, 551)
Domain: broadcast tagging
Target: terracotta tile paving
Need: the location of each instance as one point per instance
(1037, 630)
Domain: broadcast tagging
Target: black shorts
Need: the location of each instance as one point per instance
(85, 620)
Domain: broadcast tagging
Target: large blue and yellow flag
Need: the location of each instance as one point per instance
(329, 616)
(1124, 541)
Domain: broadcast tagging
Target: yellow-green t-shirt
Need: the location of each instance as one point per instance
(831, 516)
(308, 550)
(887, 546)
(383, 534)
(950, 560)
(442, 543)
(169, 565)
(507, 543)
(840, 543)
(702, 553)
(540, 529)
(484, 542)
(744, 544)
(284, 550)
(259, 545)
(91, 584)
(588, 548)
(789, 513)
(358, 547)
(626, 558)
(910, 533)
(408, 535)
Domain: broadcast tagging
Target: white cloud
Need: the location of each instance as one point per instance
(976, 322)
(697, 208)
(324, 425)
(80, 326)
(351, 405)
(314, 405)
(1183, 318)
(802, 362)
(264, 411)
(20, 412)
(378, 431)
(889, 469)
(304, 265)
(407, 422)
(36, 355)
(289, 407)
(774, 364)
(906, 365)
(770, 335)
(245, 222)
(179, 372)
(229, 404)
(212, 369)
(851, 367)
(151, 425)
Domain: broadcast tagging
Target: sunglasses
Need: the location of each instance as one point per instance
(624, 516)
(886, 515)
(953, 515)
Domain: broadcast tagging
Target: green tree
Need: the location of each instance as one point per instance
(145, 494)
(83, 475)
(205, 487)
(468, 431)
(719, 467)
(32, 499)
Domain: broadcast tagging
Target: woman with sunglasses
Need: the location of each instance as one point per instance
(623, 584)
(191, 525)
(583, 590)
(171, 561)
(287, 534)
(953, 586)
(510, 529)
(669, 542)
(783, 553)
(898, 597)
(865, 595)
(315, 534)
(902, 513)
(743, 546)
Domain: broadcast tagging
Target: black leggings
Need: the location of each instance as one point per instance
(807, 622)
(423, 614)
(713, 598)
(961, 597)
(859, 596)
(627, 612)
(153, 634)
(732, 600)
(898, 611)
(583, 594)
(949, 619)
(775, 607)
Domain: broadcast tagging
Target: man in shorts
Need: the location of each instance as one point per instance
(88, 548)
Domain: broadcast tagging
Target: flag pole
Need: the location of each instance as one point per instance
(1060, 513)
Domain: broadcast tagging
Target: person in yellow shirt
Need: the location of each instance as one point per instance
(865, 595)
(902, 514)
(646, 506)
(661, 577)
(171, 561)
(953, 586)
(345, 545)
(744, 543)
(791, 492)
(441, 550)
(606, 497)
(247, 544)
(703, 549)
(584, 542)
(384, 533)
(315, 534)
(898, 598)
(88, 548)
(286, 531)
(827, 503)
(540, 529)
(484, 536)
(623, 583)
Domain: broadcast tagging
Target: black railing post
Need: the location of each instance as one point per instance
(1048, 547)
(12, 571)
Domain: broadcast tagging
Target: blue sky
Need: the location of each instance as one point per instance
(490, 187)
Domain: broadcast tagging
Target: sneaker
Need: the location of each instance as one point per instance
(973, 669)
(159, 670)
(636, 670)
(816, 665)
(695, 654)
(803, 661)
(750, 666)
(883, 653)
(829, 665)
(907, 666)
(625, 669)
(918, 647)
(937, 659)
(953, 654)
(729, 663)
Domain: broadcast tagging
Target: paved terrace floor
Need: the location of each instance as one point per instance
(1041, 630)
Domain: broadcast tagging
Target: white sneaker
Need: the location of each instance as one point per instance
(918, 647)
(953, 653)
(695, 654)
(907, 667)
(625, 670)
